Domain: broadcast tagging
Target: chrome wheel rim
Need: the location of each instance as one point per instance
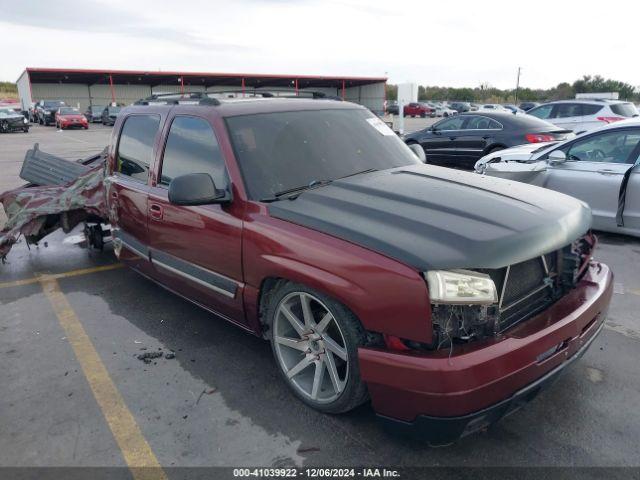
(310, 347)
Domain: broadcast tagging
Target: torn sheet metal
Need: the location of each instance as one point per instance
(41, 168)
(36, 211)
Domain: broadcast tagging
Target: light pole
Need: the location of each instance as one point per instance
(517, 85)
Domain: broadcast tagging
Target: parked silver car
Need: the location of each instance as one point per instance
(600, 167)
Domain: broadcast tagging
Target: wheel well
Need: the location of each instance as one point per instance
(270, 285)
(494, 147)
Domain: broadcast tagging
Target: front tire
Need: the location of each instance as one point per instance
(315, 343)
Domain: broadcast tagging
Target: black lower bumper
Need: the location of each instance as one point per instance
(13, 126)
(439, 431)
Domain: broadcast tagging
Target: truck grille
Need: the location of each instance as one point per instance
(529, 287)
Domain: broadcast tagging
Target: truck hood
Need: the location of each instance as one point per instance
(431, 217)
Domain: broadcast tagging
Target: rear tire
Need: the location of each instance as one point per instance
(315, 342)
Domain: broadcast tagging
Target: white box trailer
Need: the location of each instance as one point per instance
(598, 96)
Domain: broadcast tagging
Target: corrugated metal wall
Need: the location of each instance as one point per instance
(71, 93)
(371, 96)
(127, 94)
(24, 91)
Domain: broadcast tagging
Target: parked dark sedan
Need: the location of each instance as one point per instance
(94, 113)
(11, 121)
(109, 115)
(462, 140)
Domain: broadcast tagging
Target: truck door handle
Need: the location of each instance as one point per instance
(155, 211)
(486, 137)
(452, 138)
(606, 171)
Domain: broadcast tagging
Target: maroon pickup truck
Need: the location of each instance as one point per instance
(447, 298)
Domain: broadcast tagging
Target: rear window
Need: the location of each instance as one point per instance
(135, 150)
(543, 111)
(624, 109)
(529, 121)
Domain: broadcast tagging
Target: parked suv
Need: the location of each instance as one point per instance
(446, 298)
(414, 109)
(93, 113)
(583, 115)
(46, 111)
(109, 115)
(460, 107)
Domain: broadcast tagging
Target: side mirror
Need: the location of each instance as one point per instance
(419, 152)
(195, 189)
(556, 157)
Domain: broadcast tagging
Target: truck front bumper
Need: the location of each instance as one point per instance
(441, 396)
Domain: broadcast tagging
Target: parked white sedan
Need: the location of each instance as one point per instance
(601, 167)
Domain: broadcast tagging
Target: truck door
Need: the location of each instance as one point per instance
(196, 250)
(128, 189)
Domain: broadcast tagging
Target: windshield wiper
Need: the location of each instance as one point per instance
(313, 184)
(368, 170)
(296, 190)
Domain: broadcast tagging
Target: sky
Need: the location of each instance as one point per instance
(454, 43)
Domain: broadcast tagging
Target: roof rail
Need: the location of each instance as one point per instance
(199, 98)
(208, 98)
(271, 92)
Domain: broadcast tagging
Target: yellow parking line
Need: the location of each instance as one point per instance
(135, 449)
(72, 273)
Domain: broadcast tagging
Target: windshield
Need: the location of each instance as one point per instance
(69, 111)
(284, 150)
(53, 104)
(114, 110)
(96, 109)
(7, 112)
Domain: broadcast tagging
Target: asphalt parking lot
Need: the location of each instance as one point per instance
(72, 322)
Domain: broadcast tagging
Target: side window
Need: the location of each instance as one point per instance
(135, 150)
(192, 148)
(482, 123)
(608, 147)
(454, 123)
(543, 111)
(566, 110)
(591, 109)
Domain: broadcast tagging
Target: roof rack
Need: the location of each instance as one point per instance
(194, 98)
(271, 92)
(208, 98)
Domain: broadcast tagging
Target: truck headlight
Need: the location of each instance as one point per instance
(24, 120)
(461, 287)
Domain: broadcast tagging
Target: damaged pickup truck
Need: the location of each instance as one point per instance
(447, 298)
